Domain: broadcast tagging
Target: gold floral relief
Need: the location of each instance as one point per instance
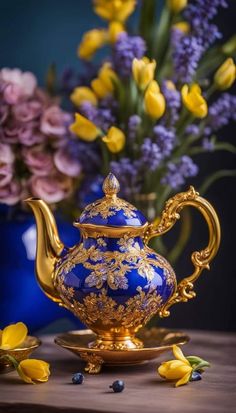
(113, 267)
(108, 207)
(100, 307)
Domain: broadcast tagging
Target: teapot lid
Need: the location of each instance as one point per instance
(111, 211)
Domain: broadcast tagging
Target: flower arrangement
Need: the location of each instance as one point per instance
(158, 99)
(36, 148)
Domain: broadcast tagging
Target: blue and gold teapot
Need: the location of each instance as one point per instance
(112, 280)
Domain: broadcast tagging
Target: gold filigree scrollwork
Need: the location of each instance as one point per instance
(94, 362)
(200, 259)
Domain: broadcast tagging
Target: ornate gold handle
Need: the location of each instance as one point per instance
(200, 259)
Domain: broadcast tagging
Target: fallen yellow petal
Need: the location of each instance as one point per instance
(179, 355)
(183, 380)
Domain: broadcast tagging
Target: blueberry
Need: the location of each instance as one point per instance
(117, 386)
(78, 378)
(196, 376)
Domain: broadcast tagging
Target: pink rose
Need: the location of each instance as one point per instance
(28, 135)
(6, 174)
(66, 164)
(4, 110)
(11, 194)
(10, 132)
(18, 84)
(54, 120)
(27, 111)
(6, 154)
(51, 189)
(38, 161)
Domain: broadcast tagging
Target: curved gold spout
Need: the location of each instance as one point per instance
(49, 247)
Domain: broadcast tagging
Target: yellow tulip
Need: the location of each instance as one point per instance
(143, 71)
(194, 101)
(107, 76)
(104, 84)
(115, 139)
(13, 336)
(33, 371)
(83, 94)
(91, 42)
(177, 5)
(118, 10)
(184, 27)
(99, 88)
(154, 101)
(225, 75)
(180, 369)
(84, 128)
(114, 30)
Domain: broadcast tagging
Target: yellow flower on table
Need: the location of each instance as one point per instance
(154, 101)
(115, 139)
(194, 101)
(13, 336)
(118, 10)
(33, 371)
(84, 128)
(114, 30)
(225, 75)
(143, 71)
(177, 5)
(91, 42)
(179, 369)
(83, 94)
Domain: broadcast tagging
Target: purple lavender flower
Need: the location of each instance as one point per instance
(129, 177)
(178, 172)
(165, 140)
(173, 104)
(192, 130)
(187, 52)
(133, 125)
(126, 49)
(221, 112)
(151, 154)
(199, 14)
(102, 116)
(208, 145)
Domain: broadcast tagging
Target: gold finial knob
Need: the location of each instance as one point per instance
(111, 185)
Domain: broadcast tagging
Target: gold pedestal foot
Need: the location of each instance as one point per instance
(94, 362)
(116, 343)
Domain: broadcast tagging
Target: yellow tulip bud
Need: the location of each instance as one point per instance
(194, 101)
(100, 88)
(84, 128)
(83, 94)
(179, 369)
(91, 42)
(33, 371)
(154, 101)
(115, 139)
(13, 336)
(225, 75)
(107, 76)
(115, 29)
(143, 71)
(170, 85)
(118, 10)
(177, 5)
(183, 27)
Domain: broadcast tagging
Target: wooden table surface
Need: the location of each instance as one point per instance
(145, 391)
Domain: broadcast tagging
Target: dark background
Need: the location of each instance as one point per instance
(34, 34)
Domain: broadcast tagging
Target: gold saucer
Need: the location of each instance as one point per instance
(20, 353)
(155, 341)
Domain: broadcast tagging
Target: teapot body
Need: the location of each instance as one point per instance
(115, 286)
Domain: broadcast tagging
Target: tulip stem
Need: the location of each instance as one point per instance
(12, 360)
